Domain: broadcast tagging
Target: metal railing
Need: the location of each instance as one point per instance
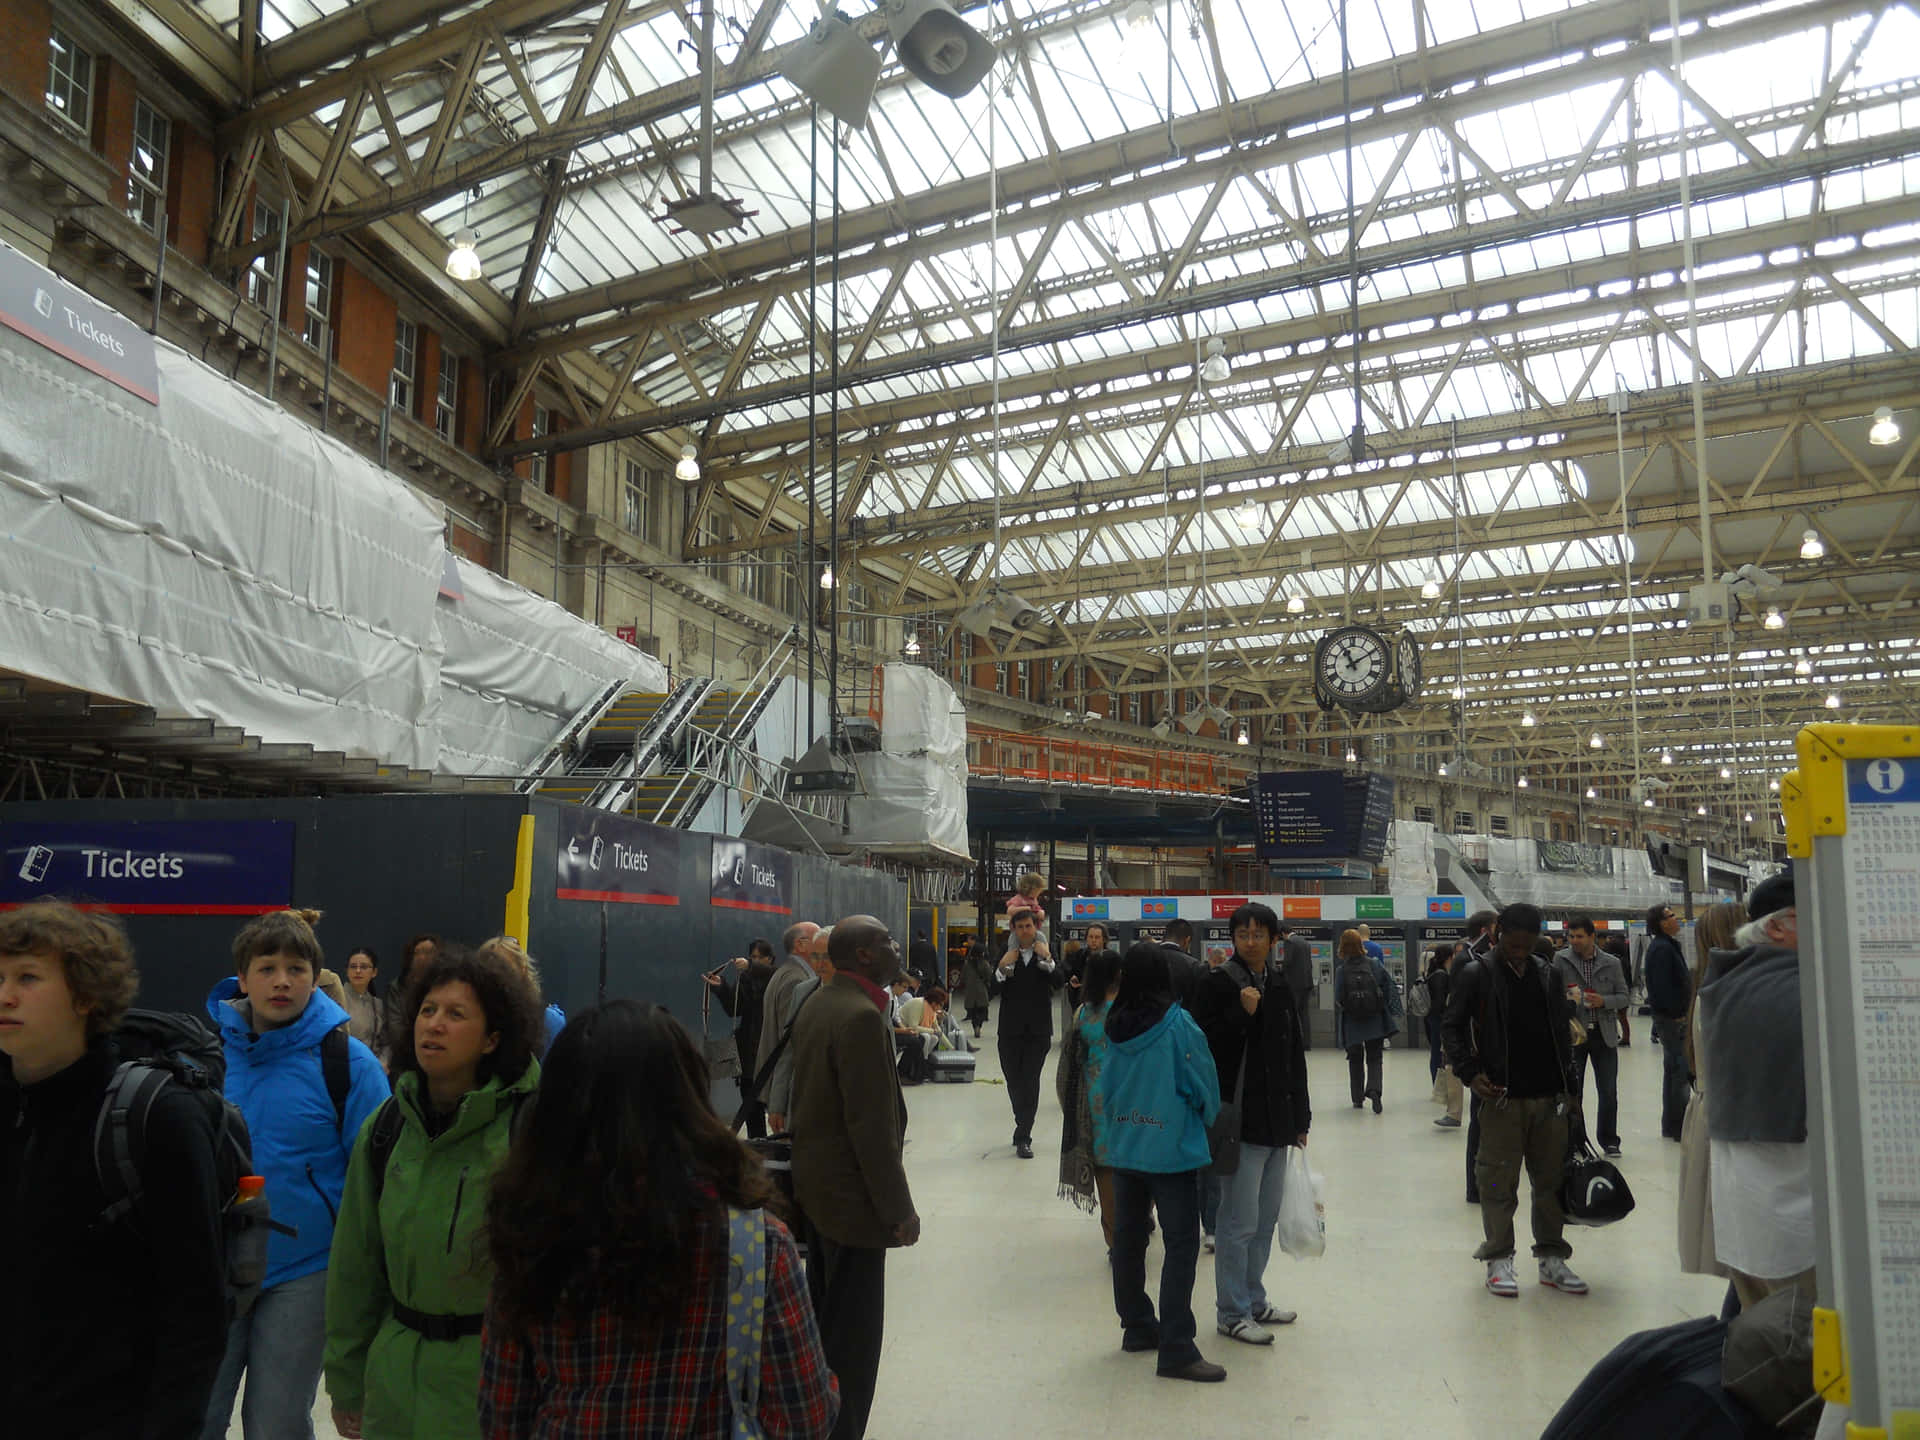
(553, 763)
(1010, 756)
(648, 751)
(711, 755)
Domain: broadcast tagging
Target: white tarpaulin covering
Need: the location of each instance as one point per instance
(516, 669)
(916, 787)
(1604, 879)
(1410, 868)
(212, 556)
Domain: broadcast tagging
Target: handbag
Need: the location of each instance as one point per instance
(1223, 1136)
(746, 1317)
(721, 1051)
(1593, 1192)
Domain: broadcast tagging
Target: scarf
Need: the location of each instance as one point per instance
(1076, 1130)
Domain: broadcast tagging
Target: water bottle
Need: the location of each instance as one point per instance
(247, 1220)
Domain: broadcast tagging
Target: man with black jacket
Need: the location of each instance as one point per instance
(1669, 994)
(1026, 979)
(1188, 969)
(1509, 1038)
(1296, 963)
(1479, 945)
(1247, 1014)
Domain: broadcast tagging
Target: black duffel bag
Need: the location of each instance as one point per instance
(1593, 1192)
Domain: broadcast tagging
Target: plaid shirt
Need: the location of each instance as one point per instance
(597, 1379)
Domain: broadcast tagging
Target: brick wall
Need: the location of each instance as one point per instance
(23, 59)
(191, 182)
(114, 92)
(367, 315)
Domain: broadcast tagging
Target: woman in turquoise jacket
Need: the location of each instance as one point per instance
(1158, 1093)
(407, 1287)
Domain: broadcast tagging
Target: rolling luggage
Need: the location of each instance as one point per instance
(952, 1067)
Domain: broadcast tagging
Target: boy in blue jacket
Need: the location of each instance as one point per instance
(306, 1087)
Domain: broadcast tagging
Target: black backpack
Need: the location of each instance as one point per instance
(1363, 1000)
(389, 1121)
(152, 1050)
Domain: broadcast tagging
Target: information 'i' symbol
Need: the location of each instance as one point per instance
(1886, 777)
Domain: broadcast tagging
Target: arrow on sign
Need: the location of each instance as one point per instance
(573, 849)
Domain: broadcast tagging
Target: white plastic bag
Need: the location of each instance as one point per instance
(1303, 1213)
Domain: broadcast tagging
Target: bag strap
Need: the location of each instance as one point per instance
(773, 1058)
(387, 1125)
(746, 1316)
(120, 1135)
(336, 1068)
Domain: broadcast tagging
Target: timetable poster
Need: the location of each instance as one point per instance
(1883, 897)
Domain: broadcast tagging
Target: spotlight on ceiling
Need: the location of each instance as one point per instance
(1459, 692)
(836, 69)
(998, 606)
(1249, 516)
(938, 47)
(1666, 757)
(463, 261)
(1527, 722)
(1726, 772)
(1430, 588)
(1885, 430)
(826, 577)
(1592, 794)
(1596, 741)
(1812, 547)
(1803, 666)
(1749, 817)
(1774, 619)
(1523, 782)
(1648, 802)
(1774, 785)
(1216, 369)
(1699, 809)
(689, 467)
(1353, 756)
(1241, 737)
(1443, 770)
(1833, 701)
(1296, 603)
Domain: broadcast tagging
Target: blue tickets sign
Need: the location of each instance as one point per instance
(150, 867)
(608, 858)
(1089, 909)
(752, 877)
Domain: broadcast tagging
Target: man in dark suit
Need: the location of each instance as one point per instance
(1296, 964)
(850, 1125)
(1189, 970)
(1026, 979)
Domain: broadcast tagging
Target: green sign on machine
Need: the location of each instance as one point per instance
(1373, 907)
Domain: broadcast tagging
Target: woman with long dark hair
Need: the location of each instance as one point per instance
(637, 1278)
(1086, 1176)
(1159, 1092)
(407, 1278)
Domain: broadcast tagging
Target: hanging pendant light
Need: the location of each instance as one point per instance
(913, 642)
(1523, 782)
(688, 468)
(1592, 794)
(1296, 603)
(1216, 370)
(1885, 430)
(1527, 722)
(1812, 547)
(463, 261)
(1774, 620)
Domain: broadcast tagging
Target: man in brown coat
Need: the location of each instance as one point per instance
(849, 1124)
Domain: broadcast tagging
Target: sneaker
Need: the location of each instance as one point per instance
(1554, 1273)
(1501, 1280)
(1246, 1332)
(1447, 1122)
(1207, 1243)
(1269, 1314)
(1613, 1152)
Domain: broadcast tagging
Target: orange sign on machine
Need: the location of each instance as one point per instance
(1300, 907)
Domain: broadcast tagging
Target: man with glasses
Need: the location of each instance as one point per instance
(1669, 993)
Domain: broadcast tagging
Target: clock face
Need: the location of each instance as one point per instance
(1353, 663)
(1408, 658)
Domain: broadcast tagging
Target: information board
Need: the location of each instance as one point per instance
(1321, 815)
(1883, 905)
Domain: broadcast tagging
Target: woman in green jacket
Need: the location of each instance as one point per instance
(407, 1280)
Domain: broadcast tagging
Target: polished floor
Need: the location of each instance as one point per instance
(1000, 1322)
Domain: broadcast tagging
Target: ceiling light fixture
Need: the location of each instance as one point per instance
(1699, 809)
(913, 642)
(1523, 782)
(1726, 772)
(826, 577)
(1749, 817)
(1430, 588)
(1527, 722)
(836, 69)
(1885, 430)
(1242, 737)
(1812, 547)
(1596, 741)
(1666, 757)
(1803, 666)
(689, 467)
(1353, 757)
(1833, 701)
(1443, 770)
(1249, 516)
(463, 261)
(1216, 370)
(1296, 603)
(1774, 785)
(1592, 794)
(1774, 619)
(1648, 802)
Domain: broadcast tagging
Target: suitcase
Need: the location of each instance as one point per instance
(776, 1154)
(952, 1067)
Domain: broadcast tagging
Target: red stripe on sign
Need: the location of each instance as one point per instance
(761, 906)
(617, 897)
(161, 909)
(87, 362)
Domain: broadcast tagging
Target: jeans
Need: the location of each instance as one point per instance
(1209, 1201)
(1674, 1080)
(278, 1345)
(1136, 1195)
(1605, 1061)
(1363, 1070)
(1513, 1133)
(1022, 1058)
(1249, 1211)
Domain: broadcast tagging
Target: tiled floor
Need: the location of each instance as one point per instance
(1000, 1322)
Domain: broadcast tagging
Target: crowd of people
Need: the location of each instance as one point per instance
(487, 1220)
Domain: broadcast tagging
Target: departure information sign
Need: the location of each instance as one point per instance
(1321, 814)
